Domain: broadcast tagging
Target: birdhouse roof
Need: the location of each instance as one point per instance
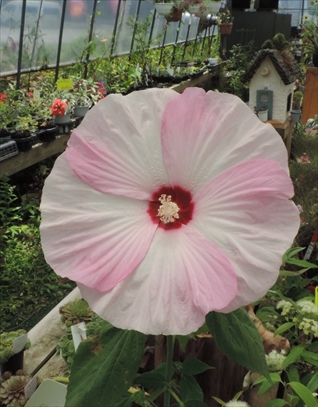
(284, 62)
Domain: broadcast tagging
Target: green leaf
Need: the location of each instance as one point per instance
(292, 373)
(262, 379)
(284, 327)
(312, 355)
(237, 337)
(265, 384)
(264, 387)
(307, 356)
(276, 403)
(304, 394)
(150, 380)
(291, 252)
(190, 389)
(302, 263)
(219, 401)
(293, 356)
(139, 397)
(104, 369)
(293, 400)
(312, 346)
(293, 273)
(193, 366)
(184, 339)
(154, 379)
(195, 403)
(312, 385)
(126, 401)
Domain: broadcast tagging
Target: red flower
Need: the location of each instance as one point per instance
(102, 91)
(101, 87)
(30, 94)
(58, 107)
(304, 159)
(3, 98)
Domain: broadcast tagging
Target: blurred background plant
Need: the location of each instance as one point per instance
(303, 170)
(309, 37)
(28, 286)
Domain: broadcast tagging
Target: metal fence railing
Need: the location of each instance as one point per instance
(52, 33)
(39, 34)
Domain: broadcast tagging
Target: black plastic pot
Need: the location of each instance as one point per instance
(48, 134)
(24, 140)
(4, 134)
(13, 364)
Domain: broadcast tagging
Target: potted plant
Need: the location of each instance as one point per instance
(262, 114)
(24, 135)
(61, 111)
(6, 118)
(19, 110)
(12, 346)
(202, 8)
(47, 130)
(224, 21)
(76, 311)
(85, 93)
(12, 389)
(309, 38)
(171, 9)
(295, 113)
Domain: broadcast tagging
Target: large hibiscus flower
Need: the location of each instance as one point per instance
(165, 207)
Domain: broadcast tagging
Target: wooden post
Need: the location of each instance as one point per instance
(310, 102)
(285, 130)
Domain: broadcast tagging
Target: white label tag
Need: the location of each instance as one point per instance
(36, 95)
(19, 343)
(78, 334)
(30, 387)
(169, 70)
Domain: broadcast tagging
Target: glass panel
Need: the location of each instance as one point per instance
(124, 35)
(296, 8)
(76, 30)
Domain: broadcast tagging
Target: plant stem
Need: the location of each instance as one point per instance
(170, 342)
(176, 398)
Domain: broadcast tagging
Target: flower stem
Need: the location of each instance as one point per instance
(170, 342)
(181, 404)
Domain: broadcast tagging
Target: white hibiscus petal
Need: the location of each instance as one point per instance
(248, 213)
(88, 236)
(203, 134)
(181, 279)
(117, 147)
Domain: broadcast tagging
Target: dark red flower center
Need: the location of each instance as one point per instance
(171, 207)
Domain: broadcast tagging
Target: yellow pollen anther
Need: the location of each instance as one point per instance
(168, 211)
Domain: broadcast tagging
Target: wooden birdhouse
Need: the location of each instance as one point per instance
(272, 75)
